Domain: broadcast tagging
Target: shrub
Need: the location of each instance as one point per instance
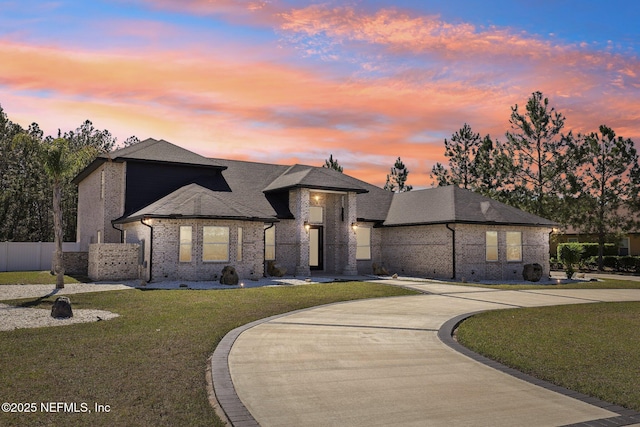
(570, 254)
(627, 263)
(611, 262)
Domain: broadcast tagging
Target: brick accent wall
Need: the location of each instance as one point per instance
(113, 261)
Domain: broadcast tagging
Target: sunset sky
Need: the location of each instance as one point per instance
(292, 81)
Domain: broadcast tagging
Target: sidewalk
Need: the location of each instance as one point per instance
(382, 362)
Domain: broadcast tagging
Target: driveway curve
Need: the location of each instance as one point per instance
(391, 361)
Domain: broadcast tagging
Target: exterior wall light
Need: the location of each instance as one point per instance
(354, 226)
(307, 226)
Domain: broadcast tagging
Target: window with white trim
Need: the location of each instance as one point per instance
(186, 243)
(215, 243)
(514, 246)
(491, 238)
(363, 242)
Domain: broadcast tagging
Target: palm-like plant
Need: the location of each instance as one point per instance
(61, 162)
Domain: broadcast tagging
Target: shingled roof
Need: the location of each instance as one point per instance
(151, 150)
(194, 201)
(452, 204)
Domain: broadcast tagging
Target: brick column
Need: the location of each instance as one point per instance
(300, 208)
(350, 217)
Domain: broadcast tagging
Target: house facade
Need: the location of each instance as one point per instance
(180, 216)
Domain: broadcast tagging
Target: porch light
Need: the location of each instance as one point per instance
(307, 226)
(354, 226)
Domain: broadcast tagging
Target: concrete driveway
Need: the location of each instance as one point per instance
(390, 362)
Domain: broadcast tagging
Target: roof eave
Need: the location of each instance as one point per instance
(136, 218)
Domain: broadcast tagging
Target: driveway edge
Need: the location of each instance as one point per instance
(625, 416)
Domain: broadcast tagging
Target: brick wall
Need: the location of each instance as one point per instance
(76, 263)
(114, 261)
(166, 239)
(426, 251)
(97, 208)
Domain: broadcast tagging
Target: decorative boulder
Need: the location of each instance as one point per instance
(379, 270)
(532, 272)
(275, 270)
(229, 276)
(61, 308)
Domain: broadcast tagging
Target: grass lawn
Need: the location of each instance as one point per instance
(32, 278)
(149, 364)
(590, 348)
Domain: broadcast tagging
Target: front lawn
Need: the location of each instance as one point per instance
(32, 278)
(590, 348)
(149, 364)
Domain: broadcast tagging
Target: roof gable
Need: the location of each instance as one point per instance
(313, 177)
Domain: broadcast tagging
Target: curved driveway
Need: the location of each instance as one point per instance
(381, 362)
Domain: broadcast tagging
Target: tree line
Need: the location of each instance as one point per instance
(589, 181)
(28, 177)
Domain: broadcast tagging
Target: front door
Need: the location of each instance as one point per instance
(316, 254)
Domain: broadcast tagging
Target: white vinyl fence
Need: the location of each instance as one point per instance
(30, 256)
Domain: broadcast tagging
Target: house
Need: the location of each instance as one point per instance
(628, 242)
(156, 211)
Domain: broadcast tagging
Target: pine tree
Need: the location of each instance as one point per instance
(397, 179)
(332, 164)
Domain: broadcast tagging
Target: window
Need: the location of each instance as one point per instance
(363, 239)
(315, 214)
(215, 243)
(99, 236)
(492, 245)
(239, 245)
(623, 249)
(186, 242)
(514, 246)
(270, 243)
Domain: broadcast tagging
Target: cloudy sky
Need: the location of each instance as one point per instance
(291, 81)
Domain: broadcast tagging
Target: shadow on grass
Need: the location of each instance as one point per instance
(36, 302)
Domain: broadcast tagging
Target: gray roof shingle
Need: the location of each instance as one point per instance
(452, 204)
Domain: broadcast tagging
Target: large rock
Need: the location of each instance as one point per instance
(229, 276)
(532, 272)
(379, 270)
(61, 308)
(275, 270)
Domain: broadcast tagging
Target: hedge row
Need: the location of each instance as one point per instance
(590, 249)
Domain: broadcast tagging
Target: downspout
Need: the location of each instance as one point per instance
(453, 250)
(121, 232)
(150, 248)
(264, 245)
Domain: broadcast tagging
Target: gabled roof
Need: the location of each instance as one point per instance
(318, 178)
(151, 150)
(455, 205)
(194, 201)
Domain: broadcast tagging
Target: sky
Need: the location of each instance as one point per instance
(293, 81)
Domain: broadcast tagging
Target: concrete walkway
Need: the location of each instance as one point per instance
(390, 362)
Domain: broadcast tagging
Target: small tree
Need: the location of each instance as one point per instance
(397, 179)
(570, 255)
(332, 163)
(60, 162)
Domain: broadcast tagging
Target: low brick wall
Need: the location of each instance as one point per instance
(76, 263)
(114, 261)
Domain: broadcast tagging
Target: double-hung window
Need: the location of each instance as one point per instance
(514, 246)
(186, 243)
(363, 241)
(492, 246)
(215, 243)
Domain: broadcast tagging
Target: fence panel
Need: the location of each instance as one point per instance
(30, 256)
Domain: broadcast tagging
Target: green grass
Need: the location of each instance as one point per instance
(149, 364)
(590, 348)
(603, 284)
(33, 278)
